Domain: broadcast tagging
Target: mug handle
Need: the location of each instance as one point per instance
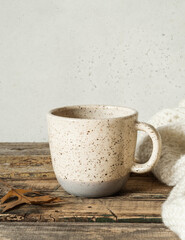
(157, 146)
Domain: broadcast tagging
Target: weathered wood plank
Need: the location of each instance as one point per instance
(136, 186)
(25, 161)
(26, 165)
(136, 203)
(23, 148)
(85, 231)
(97, 210)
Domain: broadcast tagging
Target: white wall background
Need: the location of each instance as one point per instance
(63, 52)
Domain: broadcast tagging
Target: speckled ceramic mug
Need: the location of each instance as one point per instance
(93, 147)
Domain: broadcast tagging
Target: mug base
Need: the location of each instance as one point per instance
(90, 189)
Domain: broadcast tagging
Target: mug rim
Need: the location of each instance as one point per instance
(51, 112)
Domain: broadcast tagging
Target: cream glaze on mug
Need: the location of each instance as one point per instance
(92, 148)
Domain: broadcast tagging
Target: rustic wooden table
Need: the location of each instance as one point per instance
(134, 213)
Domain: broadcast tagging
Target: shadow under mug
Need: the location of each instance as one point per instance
(93, 148)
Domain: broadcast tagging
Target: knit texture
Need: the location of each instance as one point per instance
(170, 169)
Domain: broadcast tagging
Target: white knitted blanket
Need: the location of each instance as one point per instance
(171, 167)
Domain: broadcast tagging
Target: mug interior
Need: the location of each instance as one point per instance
(93, 112)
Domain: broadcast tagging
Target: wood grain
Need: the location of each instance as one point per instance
(85, 231)
(28, 165)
